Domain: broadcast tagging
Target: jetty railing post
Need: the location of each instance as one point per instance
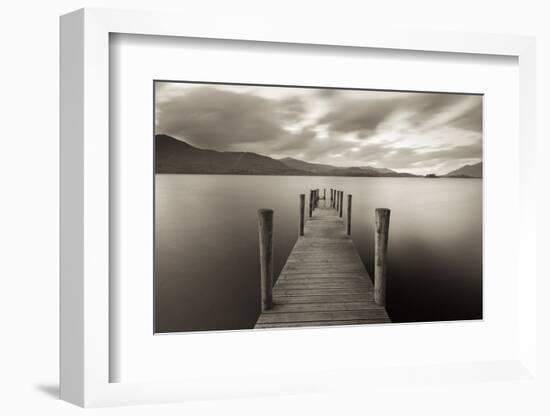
(381, 229)
(310, 203)
(349, 214)
(265, 226)
(302, 212)
(341, 203)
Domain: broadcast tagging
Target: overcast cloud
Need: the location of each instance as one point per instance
(408, 132)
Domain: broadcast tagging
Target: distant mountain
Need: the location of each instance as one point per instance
(177, 156)
(467, 171)
(306, 166)
(329, 170)
(368, 171)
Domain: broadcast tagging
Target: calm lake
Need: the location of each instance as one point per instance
(207, 257)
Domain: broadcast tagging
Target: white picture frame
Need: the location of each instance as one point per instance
(85, 221)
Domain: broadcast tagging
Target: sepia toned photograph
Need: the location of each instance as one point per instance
(292, 206)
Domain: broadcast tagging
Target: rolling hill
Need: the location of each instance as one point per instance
(467, 171)
(176, 156)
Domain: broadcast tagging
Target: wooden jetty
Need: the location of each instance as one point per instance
(324, 281)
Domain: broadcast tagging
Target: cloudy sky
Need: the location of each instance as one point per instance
(408, 132)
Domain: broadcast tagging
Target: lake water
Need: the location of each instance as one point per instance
(206, 244)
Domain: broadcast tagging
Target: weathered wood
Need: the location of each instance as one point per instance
(320, 291)
(324, 323)
(324, 193)
(310, 203)
(323, 307)
(313, 316)
(341, 206)
(313, 286)
(323, 281)
(349, 215)
(362, 297)
(302, 212)
(265, 226)
(382, 224)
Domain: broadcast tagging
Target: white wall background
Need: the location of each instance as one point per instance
(29, 207)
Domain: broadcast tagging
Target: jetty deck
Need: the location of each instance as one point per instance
(324, 281)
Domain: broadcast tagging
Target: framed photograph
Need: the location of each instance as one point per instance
(277, 212)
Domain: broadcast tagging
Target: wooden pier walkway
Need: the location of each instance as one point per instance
(324, 281)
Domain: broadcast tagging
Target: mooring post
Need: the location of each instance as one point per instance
(265, 226)
(310, 203)
(381, 229)
(341, 203)
(349, 214)
(302, 212)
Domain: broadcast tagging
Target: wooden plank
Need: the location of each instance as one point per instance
(327, 275)
(317, 285)
(323, 307)
(308, 292)
(314, 280)
(361, 297)
(324, 323)
(315, 316)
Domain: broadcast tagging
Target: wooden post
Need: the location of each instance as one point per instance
(336, 200)
(302, 212)
(349, 214)
(310, 203)
(331, 199)
(341, 203)
(325, 194)
(382, 225)
(265, 226)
